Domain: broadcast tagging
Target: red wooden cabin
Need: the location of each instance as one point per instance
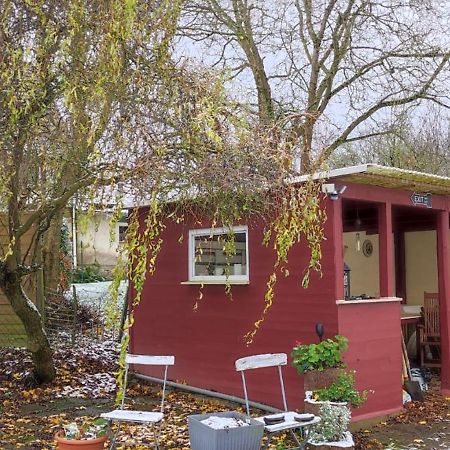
(390, 227)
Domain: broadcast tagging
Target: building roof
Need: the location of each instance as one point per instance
(389, 177)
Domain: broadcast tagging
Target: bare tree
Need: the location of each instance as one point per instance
(419, 141)
(337, 64)
(92, 103)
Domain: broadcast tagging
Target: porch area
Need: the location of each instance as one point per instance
(392, 246)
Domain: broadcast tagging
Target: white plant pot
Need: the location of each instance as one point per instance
(313, 406)
(346, 443)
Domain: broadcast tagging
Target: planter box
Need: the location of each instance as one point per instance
(203, 437)
(319, 379)
(347, 444)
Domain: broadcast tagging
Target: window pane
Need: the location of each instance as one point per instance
(211, 259)
(122, 232)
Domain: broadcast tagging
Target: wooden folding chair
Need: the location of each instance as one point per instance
(143, 417)
(291, 418)
(429, 331)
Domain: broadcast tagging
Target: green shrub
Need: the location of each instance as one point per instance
(342, 390)
(327, 354)
(87, 274)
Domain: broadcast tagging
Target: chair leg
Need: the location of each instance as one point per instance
(269, 438)
(294, 436)
(157, 434)
(113, 442)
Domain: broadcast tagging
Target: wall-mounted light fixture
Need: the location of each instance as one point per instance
(332, 191)
(320, 330)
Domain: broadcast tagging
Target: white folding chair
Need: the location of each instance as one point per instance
(143, 417)
(290, 418)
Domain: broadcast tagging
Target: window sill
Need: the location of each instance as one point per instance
(223, 282)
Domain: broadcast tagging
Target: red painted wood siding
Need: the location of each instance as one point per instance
(207, 342)
(373, 331)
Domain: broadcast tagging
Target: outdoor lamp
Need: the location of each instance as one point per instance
(320, 329)
(346, 282)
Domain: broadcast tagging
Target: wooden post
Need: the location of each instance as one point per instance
(386, 263)
(400, 265)
(338, 248)
(444, 296)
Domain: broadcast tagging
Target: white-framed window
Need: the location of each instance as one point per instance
(208, 260)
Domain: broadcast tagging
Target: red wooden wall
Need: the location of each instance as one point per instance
(206, 342)
(373, 331)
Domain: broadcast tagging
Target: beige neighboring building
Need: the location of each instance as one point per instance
(97, 243)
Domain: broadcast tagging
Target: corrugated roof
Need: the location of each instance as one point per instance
(389, 177)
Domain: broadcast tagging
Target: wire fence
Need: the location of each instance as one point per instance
(79, 312)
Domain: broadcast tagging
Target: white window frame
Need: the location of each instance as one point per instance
(218, 279)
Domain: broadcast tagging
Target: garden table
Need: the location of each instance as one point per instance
(290, 424)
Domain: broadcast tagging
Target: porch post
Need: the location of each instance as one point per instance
(444, 296)
(386, 263)
(338, 249)
(400, 265)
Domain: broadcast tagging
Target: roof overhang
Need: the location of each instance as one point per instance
(389, 177)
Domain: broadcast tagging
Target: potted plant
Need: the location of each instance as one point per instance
(331, 433)
(340, 393)
(91, 435)
(319, 363)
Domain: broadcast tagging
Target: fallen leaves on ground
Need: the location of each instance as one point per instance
(85, 387)
(421, 425)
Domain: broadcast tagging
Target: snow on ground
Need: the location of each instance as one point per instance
(97, 294)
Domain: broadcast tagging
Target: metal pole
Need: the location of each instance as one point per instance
(124, 314)
(75, 310)
(74, 234)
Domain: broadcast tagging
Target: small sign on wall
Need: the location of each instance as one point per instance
(421, 199)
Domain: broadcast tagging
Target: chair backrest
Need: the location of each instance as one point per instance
(147, 360)
(431, 314)
(258, 362)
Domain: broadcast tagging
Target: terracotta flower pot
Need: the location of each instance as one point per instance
(73, 444)
(319, 379)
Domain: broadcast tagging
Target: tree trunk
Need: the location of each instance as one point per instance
(38, 344)
(305, 157)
